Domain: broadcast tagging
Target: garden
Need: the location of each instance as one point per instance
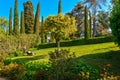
(77, 45)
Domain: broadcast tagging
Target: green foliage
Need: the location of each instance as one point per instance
(60, 27)
(16, 20)
(90, 24)
(7, 61)
(10, 43)
(64, 66)
(12, 72)
(28, 17)
(60, 7)
(37, 23)
(86, 32)
(76, 42)
(43, 32)
(3, 24)
(33, 67)
(22, 25)
(2, 58)
(16, 53)
(41, 75)
(10, 22)
(115, 22)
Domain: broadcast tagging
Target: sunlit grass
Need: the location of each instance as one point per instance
(92, 54)
(79, 50)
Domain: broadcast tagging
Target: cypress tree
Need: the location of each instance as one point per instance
(37, 15)
(10, 22)
(16, 20)
(28, 17)
(90, 24)
(42, 31)
(22, 27)
(60, 6)
(86, 32)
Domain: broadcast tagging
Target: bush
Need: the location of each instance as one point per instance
(2, 58)
(16, 53)
(32, 67)
(10, 43)
(12, 72)
(64, 66)
(76, 42)
(7, 61)
(41, 75)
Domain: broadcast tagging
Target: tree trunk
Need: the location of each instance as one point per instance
(58, 44)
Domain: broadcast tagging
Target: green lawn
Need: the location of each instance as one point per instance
(95, 55)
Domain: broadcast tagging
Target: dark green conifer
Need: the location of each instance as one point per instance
(16, 20)
(37, 16)
(10, 22)
(22, 25)
(86, 32)
(28, 17)
(90, 24)
(60, 6)
(42, 31)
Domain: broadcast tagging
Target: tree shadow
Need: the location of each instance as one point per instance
(101, 59)
(104, 48)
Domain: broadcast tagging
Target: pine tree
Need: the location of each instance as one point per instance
(22, 25)
(90, 24)
(28, 17)
(37, 15)
(16, 20)
(60, 6)
(10, 22)
(86, 32)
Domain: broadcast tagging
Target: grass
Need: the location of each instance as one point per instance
(95, 55)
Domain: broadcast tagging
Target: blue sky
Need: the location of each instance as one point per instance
(48, 7)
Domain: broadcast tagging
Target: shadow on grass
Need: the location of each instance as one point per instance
(101, 59)
(24, 60)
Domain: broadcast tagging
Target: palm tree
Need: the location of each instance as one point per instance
(94, 5)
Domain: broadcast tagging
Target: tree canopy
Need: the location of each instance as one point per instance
(16, 20)
(60, 26)
(115, 22)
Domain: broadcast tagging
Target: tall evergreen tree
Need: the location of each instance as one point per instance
(22, 25)
(90, 24)
(28, 17)
(42, 31)
(60, 6)
(37, 16)
(16, 20)
(86, 32)
(10, 22)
